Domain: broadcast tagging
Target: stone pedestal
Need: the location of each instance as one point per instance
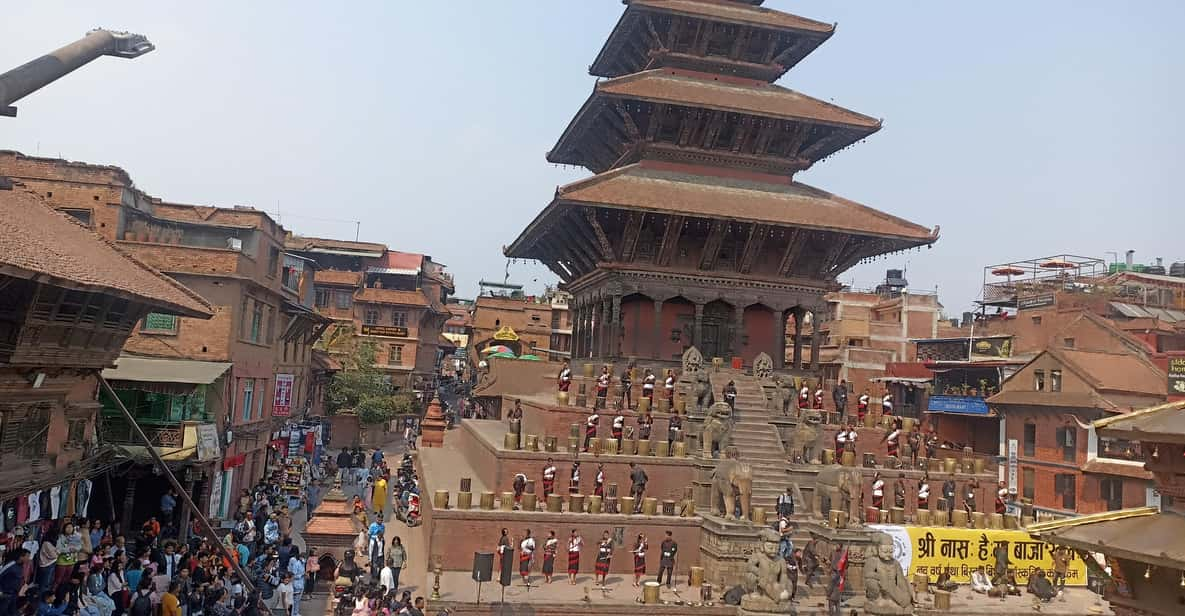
(433, 425)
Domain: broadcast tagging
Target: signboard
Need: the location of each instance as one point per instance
(215, 510)
(931, 550)
(1012, 487)
(962, 405)
(992, 347)
(384, 330)
(506, 333)
(1176, 373)
(1035, 301)
(207, 443)
(282, 401)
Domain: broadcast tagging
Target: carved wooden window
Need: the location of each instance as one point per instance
(24, 427)
(75, 433)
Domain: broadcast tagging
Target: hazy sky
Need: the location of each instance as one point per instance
(1022, 128)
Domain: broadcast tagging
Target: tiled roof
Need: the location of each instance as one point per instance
(658, 190)
(736, 12)
(392, 296)
(308, 243)
(38, 241)
(1164, 422)
(338, 277)
(1107, 467)
(400, 261)
(677, 87)
(1120, 372)
(1141, 537)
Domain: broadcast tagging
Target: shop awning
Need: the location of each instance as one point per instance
(907, 380)
(958, 405)
(154, 370)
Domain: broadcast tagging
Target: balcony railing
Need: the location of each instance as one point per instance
(118, 431)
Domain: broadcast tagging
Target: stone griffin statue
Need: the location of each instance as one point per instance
(766, 578)
(805, 438)
(732, 477)
(703, 390)
(716, 430)
(886, 588)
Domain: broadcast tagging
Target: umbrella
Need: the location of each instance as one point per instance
(530, 357)
(1057, 264)
(497, 348)
(503, 354)
(1010, 270)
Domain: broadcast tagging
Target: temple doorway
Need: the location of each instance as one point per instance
(717, 330)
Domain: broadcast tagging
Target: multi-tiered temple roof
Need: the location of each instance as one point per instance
(695, 150)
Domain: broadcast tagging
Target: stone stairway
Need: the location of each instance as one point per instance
(756, 440)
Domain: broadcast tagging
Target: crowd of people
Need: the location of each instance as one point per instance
(76, 566)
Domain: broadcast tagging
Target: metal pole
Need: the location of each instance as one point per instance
(207, 529)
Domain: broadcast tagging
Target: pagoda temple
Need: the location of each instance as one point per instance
(693, 230)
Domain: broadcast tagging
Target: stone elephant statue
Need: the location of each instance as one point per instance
(716, 430)
(730, 477)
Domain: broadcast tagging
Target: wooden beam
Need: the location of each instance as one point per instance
(631, 127)
(739, 42)
(629, 239)
(794, 143)
(586, 241)
(837, 244)
(753, 243)
(654, 33)
(765, 133)
(711, 247)
(713, 131)
(851, 255)
(690, 117)
(703, 34)
(658, 114)
(793, 248)
(560, 254)
(744, 125)
(581, 255)
(816, 149)
(770, 47)
(670, 240)
(607, 251)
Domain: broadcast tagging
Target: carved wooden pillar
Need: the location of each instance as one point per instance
(594, 327)
(736, 344)
(798, 312)
(129, 501)
(606, 328)
(574, 314)
(657, 350)
(615, 326)
(582, 322)
(780, 331)
(816, 337)
(697, 339)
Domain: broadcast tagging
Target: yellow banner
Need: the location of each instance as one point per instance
(932, 550)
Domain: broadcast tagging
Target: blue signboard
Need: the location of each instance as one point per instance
(963, 405)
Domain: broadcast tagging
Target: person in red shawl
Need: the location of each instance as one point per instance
(1001, 496)
(639, 559)
(526, 553)
(549, 478)
(549, 550)
(590, 428)
(565, 378)
(599, 481)
(604, 557)
(575, 543)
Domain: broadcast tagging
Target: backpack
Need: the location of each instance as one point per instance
(141, 605)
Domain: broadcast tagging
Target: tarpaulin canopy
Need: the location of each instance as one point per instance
(154, 370)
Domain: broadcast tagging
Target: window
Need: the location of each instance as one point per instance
(273, 261)
(1036, 320)
(24, 427)
(82, 216)
(321, 297)
(75, 433)
(370, 317)
(256, 322)
(1067, 439)
(1030, 440)
(260, 398)
(1055, 380)
(159, 323)
(1027, 480)
(341, 299)
(293, 271)
(395, 355)
(1066, 485)
(1111, 491)
(1039, 380)
(399, 318)
(1068, 343)
(248, 392)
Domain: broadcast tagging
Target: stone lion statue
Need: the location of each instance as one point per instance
(805, 438)
(716, 430)
(766, 578)
(703, 390)
(886, 588)
(730, 478)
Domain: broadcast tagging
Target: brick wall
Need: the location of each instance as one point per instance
(495, 467)
(455, 535)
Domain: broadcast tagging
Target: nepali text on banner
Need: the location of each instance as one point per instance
(932, 550)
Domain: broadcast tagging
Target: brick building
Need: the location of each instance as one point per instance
(393, 300)
(1046, 408)
(263, 326)
(538, 325)
(70, 300)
